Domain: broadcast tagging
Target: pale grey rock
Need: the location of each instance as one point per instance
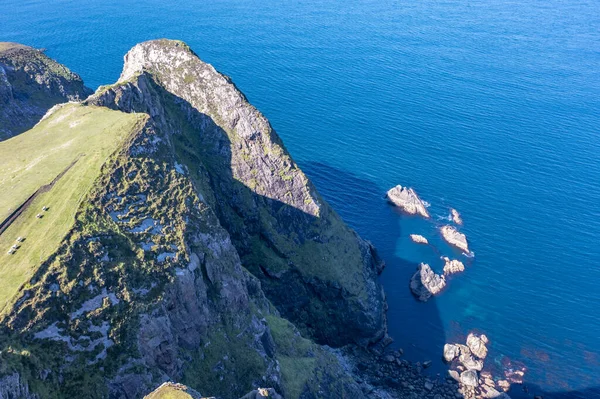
(450, 352)
(455, 238)
(12, 387)
(425, 283)
(452, 266)
(477, 345)
(419, 239)
(456, 216)
(407, 200)
(469, 378)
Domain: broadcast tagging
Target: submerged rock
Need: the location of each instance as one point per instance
(407, 199)
(477, 345)
(425, 283)
(418, 239)
(456, 216)
(455, 238)
(452, 266)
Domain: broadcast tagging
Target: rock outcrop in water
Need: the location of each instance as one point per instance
(407, 200)
(467, 364)
(456, 216)
(452, 266)
(455, 238)
(416, 238)
(425, 283)
(30, 84)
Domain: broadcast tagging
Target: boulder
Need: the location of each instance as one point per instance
(407, 199)
(450, 352)
(455, 238)
(469, 378)
(418, 239)
(456, 216)
(477, 345)
(425, 283)
(452, 266)
(454, 375)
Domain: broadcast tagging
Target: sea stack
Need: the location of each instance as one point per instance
(455, 238)
(418, 239)
(425, 283)
(452, 266)
(407, 199)
(456, 216)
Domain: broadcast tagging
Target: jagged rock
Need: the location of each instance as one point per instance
(425, 283)
(418, 239)
(407, 199)
(471, 363)
(454, 375)
(30, 84)
(477, 345)
(469, 378)
(455, 238)
(262, 393)
(450, 352)
(456, 216)
(504, 385)
(452, 266)
(12, 387)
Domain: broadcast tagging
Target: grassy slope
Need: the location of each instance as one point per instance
(35, 158)
(171, 391)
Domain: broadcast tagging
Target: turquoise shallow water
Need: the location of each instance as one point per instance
(489, 107)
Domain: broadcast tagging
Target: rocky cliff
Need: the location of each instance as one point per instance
(30, 84)
(201, 254)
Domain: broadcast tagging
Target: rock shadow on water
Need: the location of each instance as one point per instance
(415, 326)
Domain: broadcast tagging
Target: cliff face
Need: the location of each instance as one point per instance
(30, 84)
(315, 270)
(197, 242)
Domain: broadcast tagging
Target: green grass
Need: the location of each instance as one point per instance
(170, 391)
(35, 158)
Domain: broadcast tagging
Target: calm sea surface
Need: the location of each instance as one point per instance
(491, 107)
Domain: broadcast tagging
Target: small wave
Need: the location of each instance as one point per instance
(426, 204)
(469, 255)
(448, 218)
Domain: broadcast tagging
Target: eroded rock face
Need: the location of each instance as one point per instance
(452, 266)
(425, 283)
(477, 345)
(451, 352)
(469, 378)
(407, 200)
(30, 84)
(455, 238)
(12, 387)
(315, 270)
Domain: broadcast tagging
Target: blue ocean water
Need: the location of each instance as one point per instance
(491, 107)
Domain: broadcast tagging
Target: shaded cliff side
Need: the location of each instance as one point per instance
(30, 84)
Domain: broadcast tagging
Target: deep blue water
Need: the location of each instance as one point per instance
(491, 107)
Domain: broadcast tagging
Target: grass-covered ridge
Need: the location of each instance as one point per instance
(74, 132)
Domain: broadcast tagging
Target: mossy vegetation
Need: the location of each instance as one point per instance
(88, 135)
